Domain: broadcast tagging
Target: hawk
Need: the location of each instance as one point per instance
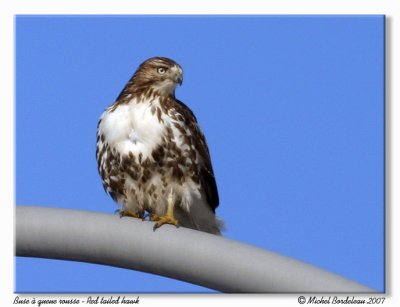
(152, 156)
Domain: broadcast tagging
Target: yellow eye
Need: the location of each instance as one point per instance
(161, 70)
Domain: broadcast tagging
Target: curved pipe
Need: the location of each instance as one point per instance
(192, 256)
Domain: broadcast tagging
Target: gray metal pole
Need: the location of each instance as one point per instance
(196, 257)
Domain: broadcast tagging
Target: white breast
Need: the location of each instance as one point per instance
(132, 128)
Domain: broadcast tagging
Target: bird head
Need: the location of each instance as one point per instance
(160, 74)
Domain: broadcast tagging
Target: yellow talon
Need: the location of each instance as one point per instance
(154, 218)
(166, 219)
(130, 213)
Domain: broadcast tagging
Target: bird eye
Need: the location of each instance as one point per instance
(161, 70)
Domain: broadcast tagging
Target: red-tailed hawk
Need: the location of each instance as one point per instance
(152, 155)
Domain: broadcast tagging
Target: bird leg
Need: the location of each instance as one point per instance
(168, 218)
(127, 212)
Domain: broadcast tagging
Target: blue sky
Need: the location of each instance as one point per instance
(292, 108)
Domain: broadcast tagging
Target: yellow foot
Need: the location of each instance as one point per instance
(130, 213)
(154, 218)
(161, 220)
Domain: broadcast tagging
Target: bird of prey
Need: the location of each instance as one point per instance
(152, 156)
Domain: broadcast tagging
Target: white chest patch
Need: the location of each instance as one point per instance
(133, 127)
(134, 137)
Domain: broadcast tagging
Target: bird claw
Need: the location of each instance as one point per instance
(129, 213)
(166, 219)
(154, 218)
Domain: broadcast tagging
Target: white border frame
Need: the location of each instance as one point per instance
(390, 8)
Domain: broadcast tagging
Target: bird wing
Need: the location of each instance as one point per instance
(206, 173)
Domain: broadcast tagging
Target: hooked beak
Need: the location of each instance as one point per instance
(177, 75)
(179, 80)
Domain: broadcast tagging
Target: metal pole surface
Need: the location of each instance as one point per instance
(211, 261)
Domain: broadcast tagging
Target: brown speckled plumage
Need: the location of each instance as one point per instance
(150, 149)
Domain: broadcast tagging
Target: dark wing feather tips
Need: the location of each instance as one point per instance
(206, 172)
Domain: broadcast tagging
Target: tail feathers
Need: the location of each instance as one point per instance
(202, 219)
